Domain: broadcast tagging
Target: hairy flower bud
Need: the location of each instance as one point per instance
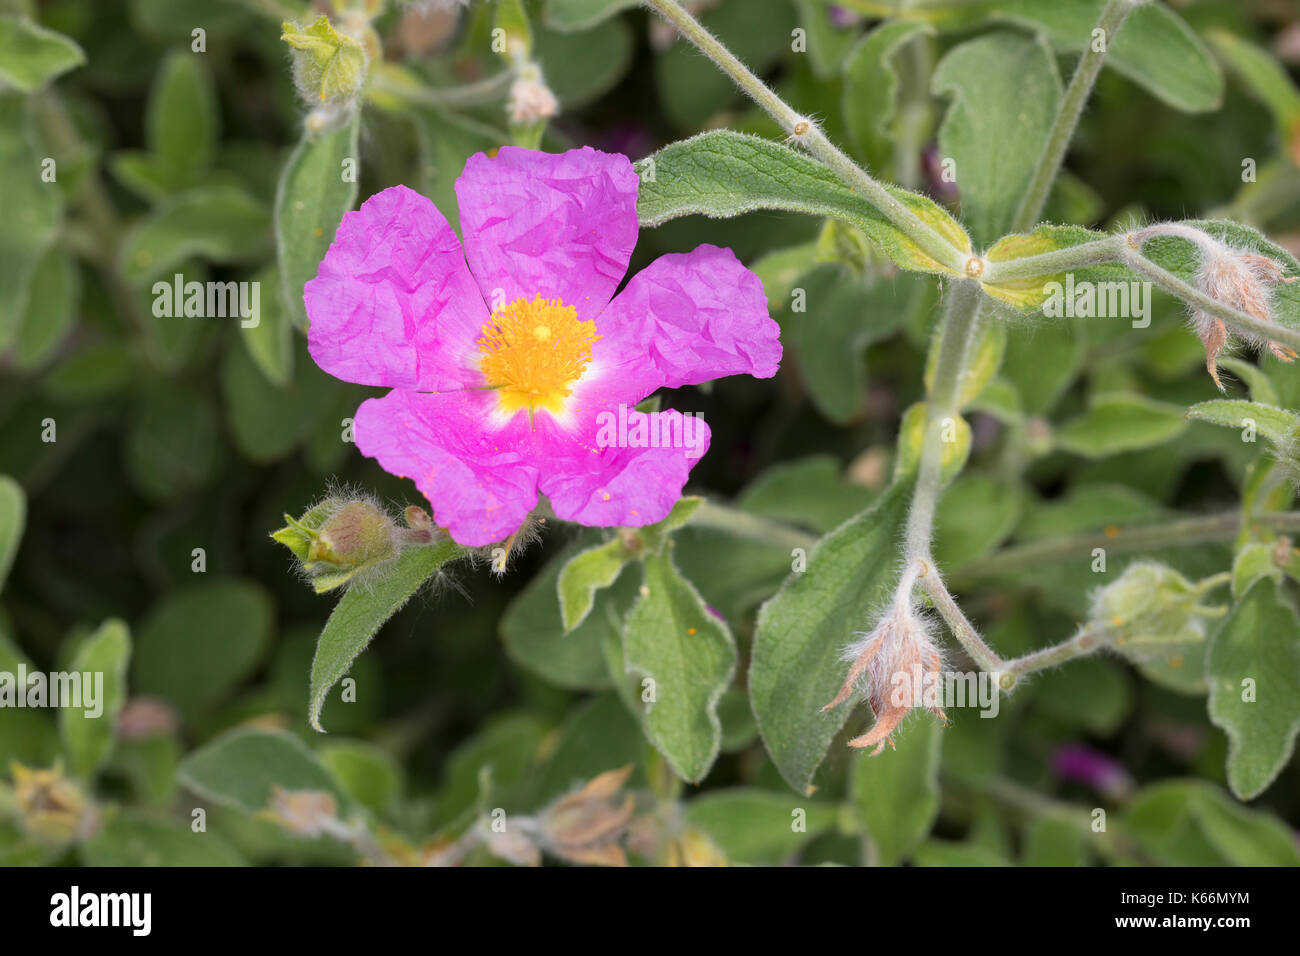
(1238, 278)
(885, 666)
(329, 65)
(531, 100)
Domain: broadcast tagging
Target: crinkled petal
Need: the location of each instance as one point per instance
(686, 318)
(481, 482)
(394, 303)
(556, 225)
(597, 483)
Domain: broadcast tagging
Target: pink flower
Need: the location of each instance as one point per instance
(503, 356)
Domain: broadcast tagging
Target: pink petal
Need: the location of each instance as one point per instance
(612, 486)
(480, 480)
(394, 303)
(684, 319)
(556, 225)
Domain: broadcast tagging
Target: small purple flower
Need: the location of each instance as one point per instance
(841, 18)
(1092, 768)
(501, 356)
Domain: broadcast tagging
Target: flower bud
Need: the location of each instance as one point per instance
(531, 100)
(342, 538)
(51, 808)
(329, 66)
(1151, 612)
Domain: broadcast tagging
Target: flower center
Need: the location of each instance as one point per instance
(533, 352)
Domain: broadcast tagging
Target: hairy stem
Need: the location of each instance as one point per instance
(1067, 117)
(956, 331)
(1120, 540)
(1085, 641)
(1131, 256)
(805, 132)
(1048, 264)
(742, 524)
(961, 628)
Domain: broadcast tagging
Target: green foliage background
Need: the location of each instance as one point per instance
(175, 434)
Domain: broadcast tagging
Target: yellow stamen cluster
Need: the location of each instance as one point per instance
(533, 352)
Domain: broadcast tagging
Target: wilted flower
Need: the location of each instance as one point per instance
(501, 369)
(588, 825)
(1240, 279)
(309, 813)
(888, 666)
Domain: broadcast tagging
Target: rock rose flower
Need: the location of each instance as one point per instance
(502, 354)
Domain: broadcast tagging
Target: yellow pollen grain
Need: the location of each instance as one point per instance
(691, 631)
(533, 351)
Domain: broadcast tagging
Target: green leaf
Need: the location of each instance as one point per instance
(218, 223)
(952, 854)
(1255, 654)
(33, 210)
(371, 775)
(1278, 425)
(896, 794)
(1004, 90)
(1244, 836)
(809, 491)
(51, 312)
(312, 196)
(721, 174)
(87, 738)
(200, 641)
(1053, 842)
(671, 638)
(1155, 48)
(268, 423)
(871, 82)
(535, 637)
(31, 56)
(172, 440)
(13, 516)
(586, 573)
(270, 342)
(758, 826)
(975, 515)
(1118, 422)
(181, 122)
(841, 316)
(1267, 80)
(985, 358)
(570, 15)
(1191, 823)
(582, 67)
(795, 668)
(133, 838)
(240, 767)
(361, 612)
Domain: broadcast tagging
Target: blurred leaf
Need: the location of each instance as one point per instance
(535, 637)
(181, 123)
(871, 82)
(362, 611)
(370, 775)
(1119, 422)
(911, 439)
(13, 516)
(31, 55)
(200, 641)
(758, 826)
(672, 639)
(1259, 643)
(32, 211)
(581, 67)
(240, 767)
(1155, 48)
(51, 311)
(171, 441)
(722, 174)
(313, 195)
(1004, 89)
(809, 491)
(88, 739)
(1052, 842)
(975, 515)
(1268, 81)
(949, 853)
(581, 14)
(270, 341)
(217, 223)
(1278, 425)
(896, 794)
(795, 669)
(136, 839)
